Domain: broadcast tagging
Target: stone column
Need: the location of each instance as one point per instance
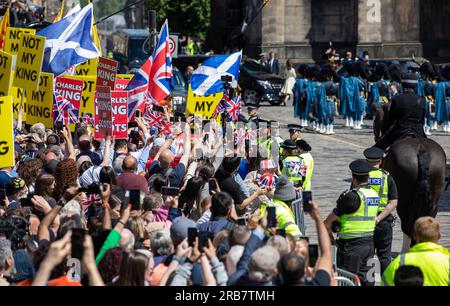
(389, 28)
(286, 25)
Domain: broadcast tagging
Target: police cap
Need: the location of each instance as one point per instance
(303, 145)
(360, 167)
(252, 106)
(294, 128)
(289, 144)
(373, 154)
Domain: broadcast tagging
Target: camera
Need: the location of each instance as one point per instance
(226, 80)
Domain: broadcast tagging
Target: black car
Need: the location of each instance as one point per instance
(258, 84)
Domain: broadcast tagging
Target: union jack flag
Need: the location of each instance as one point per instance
(240, 136)
(221, 107)
(233, 108)
(166, 127)
(296, 168)
(154, 118)
(267, 180)
(177, 146)
(63, 110)
(88, 119)
(154, 80)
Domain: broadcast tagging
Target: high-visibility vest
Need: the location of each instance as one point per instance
(431, 258)
(362, 222)
(285, 217)
(309, 161)
(378, 180)
(294, 168)
(267, 144)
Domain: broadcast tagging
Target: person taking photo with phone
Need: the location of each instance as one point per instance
(282, 200)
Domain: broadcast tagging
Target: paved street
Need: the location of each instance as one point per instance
(332, 155)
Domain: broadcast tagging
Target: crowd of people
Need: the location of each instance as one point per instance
(187, 208)
(22, 12)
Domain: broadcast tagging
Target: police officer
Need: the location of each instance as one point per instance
(291, 164)
(406, 115)
(269, 139)
(383, 183)
(294, 131)
(354, 220)
(304, 149)
(253, 117)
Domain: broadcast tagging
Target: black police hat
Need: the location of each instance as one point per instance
(294, 127)
(373, 154)
(252, 106)
(360, 167)
(303, 145)
(289, 144)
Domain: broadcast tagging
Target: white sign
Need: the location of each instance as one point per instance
(173, 45)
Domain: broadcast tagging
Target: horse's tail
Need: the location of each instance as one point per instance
(422, 203)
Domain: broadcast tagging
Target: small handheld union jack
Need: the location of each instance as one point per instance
(153, 118)
(296, 168)
(233, 108)
(267, 180)
(221, 107)
(63, 110)
(88, 119)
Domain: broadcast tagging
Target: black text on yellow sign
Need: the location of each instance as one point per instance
(202, 105)
(13, 37)
(29, 62)
(5, 73)
(39, 103)
(6, 133)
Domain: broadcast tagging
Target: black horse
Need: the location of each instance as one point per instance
(418, 167)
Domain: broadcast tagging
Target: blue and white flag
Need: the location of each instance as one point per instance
(206, 79)
(69, 41)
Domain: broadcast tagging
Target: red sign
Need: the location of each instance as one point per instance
(119, 101)
(121, 84)
(106, 72)
(70, 89)
(103, 112)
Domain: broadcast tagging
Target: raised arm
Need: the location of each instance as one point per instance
(325, 261)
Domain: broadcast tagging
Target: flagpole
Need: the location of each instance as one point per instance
(121, 10)
(265, 2)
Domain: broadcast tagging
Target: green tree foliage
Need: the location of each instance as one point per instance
(106, 7)
(189, 17)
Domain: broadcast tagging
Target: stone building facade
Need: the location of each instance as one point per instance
(302, 29)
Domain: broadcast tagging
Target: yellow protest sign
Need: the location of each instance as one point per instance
(88, 67)
(5, 73)
(13, 37)
(29, 62)
(40, 102)
(125, 76)
(87, 105)
(18, 95)
(6, 133)
(202, 105)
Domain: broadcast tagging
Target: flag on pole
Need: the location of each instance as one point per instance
(206, 79)
(95, 34)
(63, 110)
(61, 12)
(153, 80)
(5, 23)
(233, 108)
(69, 41)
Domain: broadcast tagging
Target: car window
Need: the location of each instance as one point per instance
(178, 78)
(251, 66)
(135, 49)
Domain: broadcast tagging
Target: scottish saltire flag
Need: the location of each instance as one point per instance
(154, 80)
(69, 41)
(63, 110)
(206, 79)
(233, 108)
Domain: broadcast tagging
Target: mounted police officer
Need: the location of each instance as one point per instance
(383, 183)
(354, 221)
(406, 116)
